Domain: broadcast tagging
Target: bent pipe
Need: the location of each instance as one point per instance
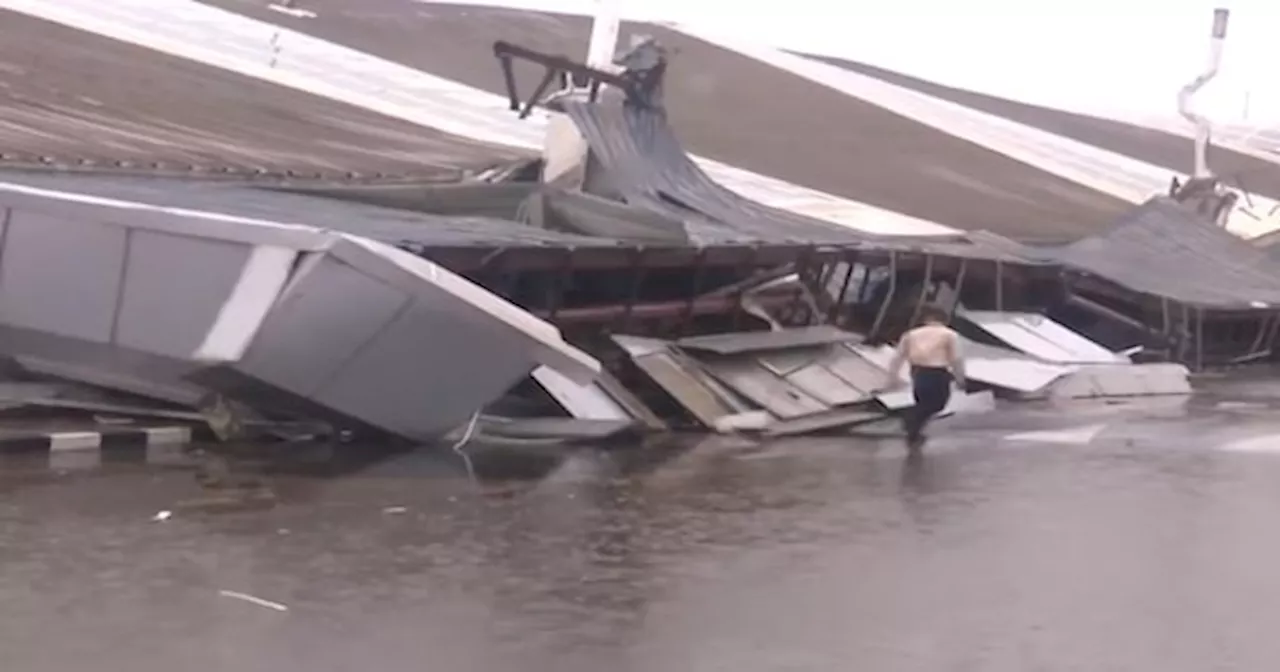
(1202, 124)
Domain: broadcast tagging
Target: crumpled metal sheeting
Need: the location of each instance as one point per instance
(649, 167)
(1164, 249)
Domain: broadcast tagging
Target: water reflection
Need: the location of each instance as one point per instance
(1143, 549)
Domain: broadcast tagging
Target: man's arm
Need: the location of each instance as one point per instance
(893, 378)
(957, 359)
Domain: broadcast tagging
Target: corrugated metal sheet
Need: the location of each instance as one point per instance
(750, 341)
(650, 169)
(1164, 249)
(384, 224)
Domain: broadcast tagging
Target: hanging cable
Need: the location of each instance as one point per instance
(462, 442)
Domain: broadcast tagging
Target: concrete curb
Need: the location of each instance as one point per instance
(102, 439)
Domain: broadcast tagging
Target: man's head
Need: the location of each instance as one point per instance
(932, 313)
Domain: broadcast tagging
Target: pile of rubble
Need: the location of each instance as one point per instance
(786, 382)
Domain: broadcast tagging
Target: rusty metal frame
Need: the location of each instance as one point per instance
(960, 278)
(560, 284)
(748, 265)
(888, 297)
(639, 272)
(803, 265)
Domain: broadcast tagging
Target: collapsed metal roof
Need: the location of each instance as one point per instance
(1151, 145)
(735, 109)
(1166, 249)
(70, 99)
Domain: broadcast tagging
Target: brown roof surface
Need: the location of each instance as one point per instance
(740, 111)
(1156, 147)
(71, 98)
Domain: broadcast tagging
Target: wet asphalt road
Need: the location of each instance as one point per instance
(1145, 541)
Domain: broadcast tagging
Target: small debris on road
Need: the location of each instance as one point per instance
(253, 600)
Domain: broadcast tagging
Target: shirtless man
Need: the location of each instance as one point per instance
(933, 351)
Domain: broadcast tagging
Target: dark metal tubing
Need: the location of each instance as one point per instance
(1264, 325)
(509, 75)
(850, 258)
(803, 267)
(1185, 334)
(749, 265)
(538, 92)
(699, 273)
(999, 285)
(888, 296)
(561, 281)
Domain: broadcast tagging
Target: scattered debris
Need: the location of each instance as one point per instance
(162, 516)
(253, 600)
(289, 7)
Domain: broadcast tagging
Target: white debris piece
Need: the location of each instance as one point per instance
(253, 600)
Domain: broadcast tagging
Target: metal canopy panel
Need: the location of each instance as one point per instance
(735, 343)
(1041, 337)
(446, 349)
(822, 373)
(775, 395)
(584, 402)
(283, 315)
(956, 182)
(684, 387)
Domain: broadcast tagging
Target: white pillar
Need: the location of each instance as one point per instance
(604, 35)
(564, 151)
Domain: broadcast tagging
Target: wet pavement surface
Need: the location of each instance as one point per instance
(1111, 537)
